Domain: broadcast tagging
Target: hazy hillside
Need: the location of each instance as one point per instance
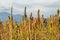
(4, 16)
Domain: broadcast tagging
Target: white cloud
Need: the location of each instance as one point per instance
(35, 1)
(32, 6)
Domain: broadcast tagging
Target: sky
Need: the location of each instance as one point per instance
(46, 7)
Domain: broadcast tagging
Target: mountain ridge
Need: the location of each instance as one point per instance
(4, 16)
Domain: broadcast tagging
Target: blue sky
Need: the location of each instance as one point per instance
(47, 7)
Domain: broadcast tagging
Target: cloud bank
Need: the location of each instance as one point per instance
(47, 7)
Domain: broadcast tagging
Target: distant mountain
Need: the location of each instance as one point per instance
(4, 16)
(17, 17)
